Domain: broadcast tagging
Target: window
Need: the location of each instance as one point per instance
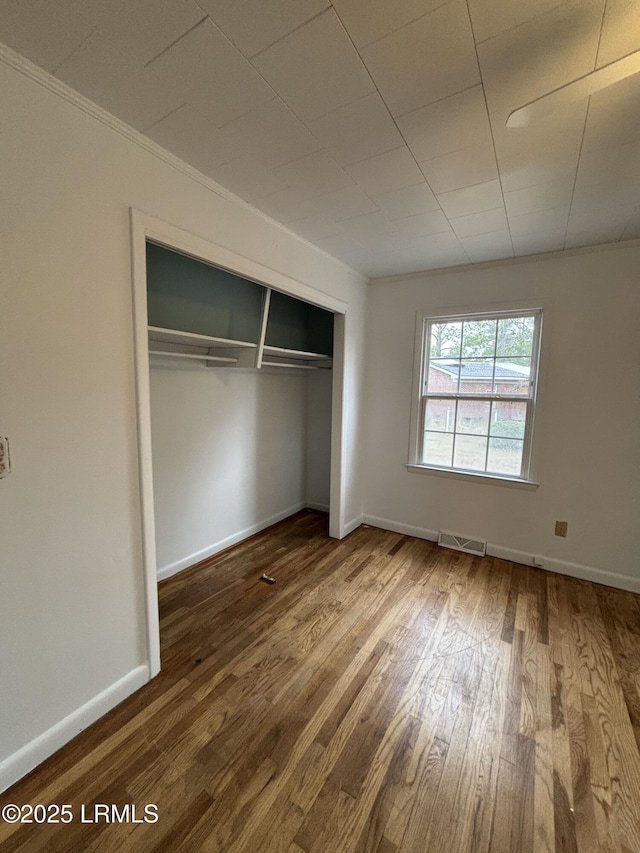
(477, 393)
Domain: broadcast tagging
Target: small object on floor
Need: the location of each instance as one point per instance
(266, 578)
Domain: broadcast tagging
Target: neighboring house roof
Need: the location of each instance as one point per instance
(481, 370)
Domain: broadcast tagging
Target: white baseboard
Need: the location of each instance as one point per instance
(564, 567)
(399, 527)
(550, 564)
(216, 547)
(318, 507)
(349, 526)
(29, 756)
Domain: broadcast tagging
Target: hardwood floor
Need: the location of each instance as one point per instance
(384, 695)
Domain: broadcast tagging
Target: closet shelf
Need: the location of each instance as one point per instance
(174, 336)
(297, 355)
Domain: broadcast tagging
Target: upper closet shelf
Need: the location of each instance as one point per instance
(174, 336)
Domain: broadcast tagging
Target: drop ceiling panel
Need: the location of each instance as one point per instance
(248, 178)
(272, 133)
(370, 20)
(345, 203)
(358, 130)
(490, 19)
(429, 59)
(537, 242)
(145, 28)
(548, 51)
(385, 172)
(286, 205)
(423, 224)
(314, 175)
(475, 199)
(253, 25)
(212, 75)
(316, 68)
(488, 247)
(539, 197)
(620, 30)
(189, 135)
(407, 201)
(114, 80)
(447, 125)
(316, 227)
(480, 223)
(46, 33)
(552, 220)
(473, 165)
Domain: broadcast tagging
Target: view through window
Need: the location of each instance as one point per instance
(478, 392)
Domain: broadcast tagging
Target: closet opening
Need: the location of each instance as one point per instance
(239, 385)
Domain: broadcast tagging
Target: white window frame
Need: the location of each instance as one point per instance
(420, 397)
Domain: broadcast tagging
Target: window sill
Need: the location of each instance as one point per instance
(486, 479)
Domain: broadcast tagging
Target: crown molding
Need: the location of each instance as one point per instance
(29, 69)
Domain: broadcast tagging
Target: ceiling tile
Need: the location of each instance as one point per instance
(548, 51)
(46, 33)
(537, 242)
(539, 197)
(423, 224)
(369, 20)
(447, 125)
(316, 227)
(594, 233)
(386, 172)
(488, 247)
(248, 178)
(187, 134)
(358, 130)
(407, 201)
(549, 221)
(368, 225)
(271, 132)
(111, 79)
(314, 175)
(286, 205)
(480, 223)
(432, 58)
(617, 166)
(212, 75)
(316, 68)
(614, 117)
(620, 30)
(475, 199)
(632, 229)
(253, 25)
(143, 29)
(495, 17)
(473, 165)
(345, 203)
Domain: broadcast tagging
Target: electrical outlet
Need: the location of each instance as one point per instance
(539, 562)
(5, 464)
(561, 528)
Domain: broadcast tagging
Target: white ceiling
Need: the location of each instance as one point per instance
(373, 128)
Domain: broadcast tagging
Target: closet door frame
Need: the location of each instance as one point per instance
(145, 227)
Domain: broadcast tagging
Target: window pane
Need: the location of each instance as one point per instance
(443, 376)
(440, 415)
(438, 448)
(508, 420)
(470, 452)
(505, 456)
(473, 417)
(512, 378)
(445, 340)
(476, 375)
(515, 337)
(478, 338)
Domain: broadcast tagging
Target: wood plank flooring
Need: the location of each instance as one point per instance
(384, 695)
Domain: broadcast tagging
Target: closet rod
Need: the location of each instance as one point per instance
(193, 355)
(295, 366)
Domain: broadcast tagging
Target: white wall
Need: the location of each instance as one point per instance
(72, 631)
(587, 429)
(229, 456)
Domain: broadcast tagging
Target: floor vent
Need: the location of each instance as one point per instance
(462, 543)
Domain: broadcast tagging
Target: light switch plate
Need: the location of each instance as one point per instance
(5, 463)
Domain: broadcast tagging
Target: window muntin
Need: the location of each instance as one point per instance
(478, 392)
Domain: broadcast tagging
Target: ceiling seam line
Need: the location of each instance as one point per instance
(493, 139)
